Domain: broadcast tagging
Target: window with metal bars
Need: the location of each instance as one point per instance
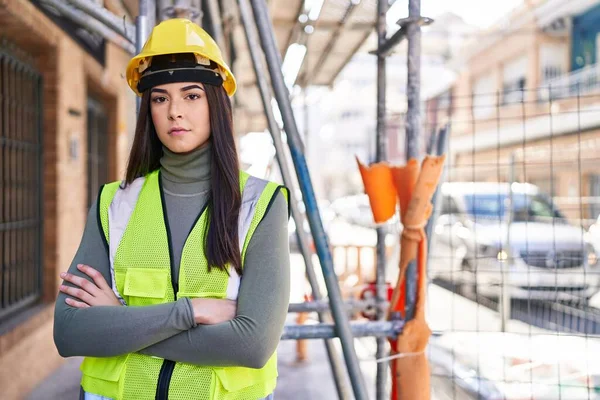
(20, 182)
(97, 136)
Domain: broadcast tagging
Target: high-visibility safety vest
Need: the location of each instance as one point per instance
(136, 229)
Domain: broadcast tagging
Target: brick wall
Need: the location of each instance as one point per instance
(27, 352)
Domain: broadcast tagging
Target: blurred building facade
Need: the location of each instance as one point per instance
(66, 116)
(343, 121)
(527, 89)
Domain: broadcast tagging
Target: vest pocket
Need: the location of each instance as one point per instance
(101, 375)
(145, 286)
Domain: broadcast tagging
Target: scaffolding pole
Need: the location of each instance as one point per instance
(89, 22)
(381, 155)
(161, 6)
(352, 306)
(342, 325)
(109, 19)
(151, 18)
(214, 14)
(141, 33)
(265, 93)
(359, 329)
(413, 125)
(141, 25)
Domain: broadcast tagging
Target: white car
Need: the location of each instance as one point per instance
(542, 254)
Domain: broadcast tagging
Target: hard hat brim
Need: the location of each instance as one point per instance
(133, 75)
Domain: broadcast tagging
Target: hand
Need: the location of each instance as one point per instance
(96, 293)
(213, 311)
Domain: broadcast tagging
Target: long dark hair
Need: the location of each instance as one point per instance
(222, 243)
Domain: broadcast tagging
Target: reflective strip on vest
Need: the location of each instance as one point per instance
(92, 396)
(252, 191)
(119, 212)
(125, 200)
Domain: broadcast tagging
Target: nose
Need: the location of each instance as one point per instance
(174, 112)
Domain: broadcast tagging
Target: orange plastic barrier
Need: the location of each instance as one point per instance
(414, 189)
(379, 186)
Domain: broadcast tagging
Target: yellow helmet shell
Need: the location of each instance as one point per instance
(178, 35)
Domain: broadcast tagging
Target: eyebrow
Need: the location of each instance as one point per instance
(183, 89)
(186, 88)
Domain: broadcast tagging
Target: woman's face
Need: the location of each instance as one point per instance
(180, 115)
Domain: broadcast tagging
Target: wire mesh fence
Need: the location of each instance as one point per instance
(514, 266)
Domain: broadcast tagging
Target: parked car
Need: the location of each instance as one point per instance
(546, 257)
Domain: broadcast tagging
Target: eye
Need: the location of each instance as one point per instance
(159, 99)
(192, 96)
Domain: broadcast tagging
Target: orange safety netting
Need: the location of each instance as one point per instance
(414, 189)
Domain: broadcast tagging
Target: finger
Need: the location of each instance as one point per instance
(76, 304)
(95, 275)
(83, 283)
(77, 293)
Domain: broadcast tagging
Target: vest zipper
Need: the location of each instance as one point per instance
(164, 380)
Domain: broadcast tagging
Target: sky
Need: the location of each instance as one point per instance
(480, 13)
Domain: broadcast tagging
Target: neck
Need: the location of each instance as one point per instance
(187, 168)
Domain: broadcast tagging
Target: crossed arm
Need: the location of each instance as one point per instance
(90, 322)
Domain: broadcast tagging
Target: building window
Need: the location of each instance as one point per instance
(514, 81)
(21, 196)
(550, 72)
(552, 61)
(484, 97)
(512, 92)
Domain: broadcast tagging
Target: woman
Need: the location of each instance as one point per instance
(180, 286)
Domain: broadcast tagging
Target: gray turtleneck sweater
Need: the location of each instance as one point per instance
(168, 330)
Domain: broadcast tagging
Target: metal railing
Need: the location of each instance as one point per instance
(20, 182)
(581, 82)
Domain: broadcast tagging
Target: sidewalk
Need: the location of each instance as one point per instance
(62, 384)
(297, 381)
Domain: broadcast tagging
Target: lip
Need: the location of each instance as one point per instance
(177, 131)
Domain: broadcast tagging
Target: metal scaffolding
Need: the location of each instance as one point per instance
(265, 92)
(381, 155)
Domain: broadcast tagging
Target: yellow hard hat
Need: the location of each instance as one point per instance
(176, 36)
